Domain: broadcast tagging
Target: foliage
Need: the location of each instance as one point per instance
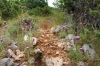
(83, 11)
(62, 34)
(35, 3)
(75, 55)
(9, 9)
(13, 30)
(38, 11)
(1, 49)
(97, 33)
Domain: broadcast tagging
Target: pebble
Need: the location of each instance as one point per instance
(42, 35)
(24, 64)
(31, 61)
(57, 52)
(48, 51)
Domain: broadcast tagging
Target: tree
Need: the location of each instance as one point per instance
(9, 8)
(34, 3)
(83, 11)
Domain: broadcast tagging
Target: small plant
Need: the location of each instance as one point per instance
(97, 33)
(75, 55)
(62, 34)
(1, 49)
(29, 51)
(13, 30)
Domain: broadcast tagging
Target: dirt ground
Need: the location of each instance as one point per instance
(48, 43)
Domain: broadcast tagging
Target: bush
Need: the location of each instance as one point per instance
(46, 10)
(97, 33)
(75, 55)
(62, 34)
(13, 30)
(38, 11)
(9, 9)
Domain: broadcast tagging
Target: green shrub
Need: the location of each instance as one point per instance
(38, 11)
(9, 9)
(97, 33)
(75, 55)
(13, 30)
(1, 49)
(46, 10)
(62, 34)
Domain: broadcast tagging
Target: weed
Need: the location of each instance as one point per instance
(62, 34)
(75, 55)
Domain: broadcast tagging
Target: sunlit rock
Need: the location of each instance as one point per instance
(6, 62)
(49, 62)
(89, 51)
(20, 54)
(10, 62)
(31, 61)
(54, 61)
(14, 46)
(80, 63)
(52, 30)
(58, 28)
(9, 53)
(24, 64)
(70, 38)
(34, 40)
(26, 37)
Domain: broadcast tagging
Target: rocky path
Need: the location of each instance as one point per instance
(48, 43)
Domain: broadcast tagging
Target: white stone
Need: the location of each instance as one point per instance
(14, 46)
(81, 63)
(31, 61)
(24, 64)
(70, 38)
(10, 53)
(37, 50)
(6, 62)
(54, 61)
(89, 51)
(52, 30)
(26, 37)
(34, 40)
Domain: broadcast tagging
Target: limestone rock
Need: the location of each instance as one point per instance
(49, 62)
(26, 37)
(52, 30)
(6, 62)
(70, 38)
(17, 58)
(54, 61)
(81, 63)
(24, 64)
(10, 62)
(89, 51)
(9, 53)
(37, 50)
(32, 60)
(20, 54)
(34, 40)
(14, 46)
